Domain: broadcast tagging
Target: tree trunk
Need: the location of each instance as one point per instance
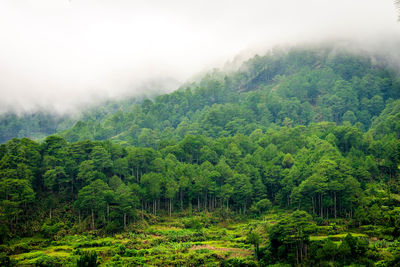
(256, 251)
(72, 187)
(170, 207)
(320, 203)
(335, 202)
(92, 219)
(313, 208)
(181, 199)
(142, 208)
(124, 220)
(205, 201)
(301, 251)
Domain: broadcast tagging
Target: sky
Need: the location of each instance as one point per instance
(61, 55)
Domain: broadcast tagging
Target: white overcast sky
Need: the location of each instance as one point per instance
(62, 54)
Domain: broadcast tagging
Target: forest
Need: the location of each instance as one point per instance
(293, 159)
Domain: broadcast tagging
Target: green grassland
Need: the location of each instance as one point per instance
(171, 241)
(167, 242)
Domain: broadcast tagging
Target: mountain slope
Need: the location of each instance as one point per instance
(294, 87)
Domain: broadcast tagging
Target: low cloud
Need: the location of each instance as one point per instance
(63, 54)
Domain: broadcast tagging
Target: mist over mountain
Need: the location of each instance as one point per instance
(63, 55)
(124, 118)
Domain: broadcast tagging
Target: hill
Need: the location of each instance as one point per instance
(292, 159)
(295, 87)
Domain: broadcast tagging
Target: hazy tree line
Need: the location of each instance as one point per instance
(42, 123)
(282, 88)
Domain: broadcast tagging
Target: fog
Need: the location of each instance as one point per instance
(61, 55)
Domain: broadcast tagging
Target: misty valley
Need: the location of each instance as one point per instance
(291, 159)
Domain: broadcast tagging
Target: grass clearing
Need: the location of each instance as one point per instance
(337, 237)
(164, 243)
(168, 242)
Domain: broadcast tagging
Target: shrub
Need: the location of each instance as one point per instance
(87, 259)
(113, 227)
(4, 249)
(238, 262)
(50, 230)
(261, 206)
(4, 233)
(6, 261)
(46, 261)
(193, 223)
(131, 253)
(121, 249)
(20, 248)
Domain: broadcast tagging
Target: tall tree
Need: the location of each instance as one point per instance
(93, 198)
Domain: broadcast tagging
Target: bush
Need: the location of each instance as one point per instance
(352, 248)
(131, 253)
(116, 260)
(121, 249)
(193, 223)
(50, 230)
(113, 227)
(6, 261)
(46, 261)
(319, 220)
(223, 214)
(238, 262)
(261, 206)
(4, 249)
(4, 233)
(87, 259)
(20, 248)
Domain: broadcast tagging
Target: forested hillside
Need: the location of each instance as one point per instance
(39, 124)
(294, 87)
(35, 125)
(300, 146)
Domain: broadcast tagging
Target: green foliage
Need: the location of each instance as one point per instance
(254, 239)
(87, 259)
(4, 233)
(48, 230)
(238, 262)
(193, 223)
(46, 261)
(6, 261)
(261, 206)
(290, 237)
